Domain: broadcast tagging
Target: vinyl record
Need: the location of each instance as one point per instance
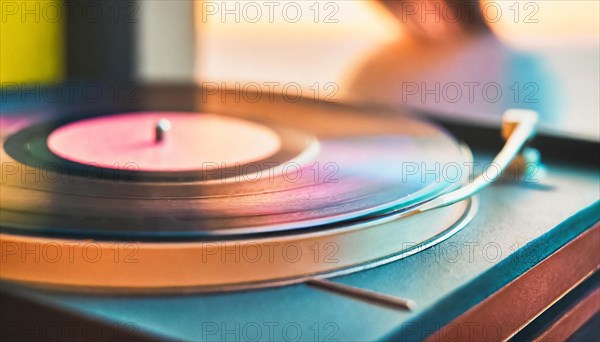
(351, 169)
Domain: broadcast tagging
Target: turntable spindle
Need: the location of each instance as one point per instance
(160, 129)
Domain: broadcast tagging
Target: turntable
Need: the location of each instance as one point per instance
(450, 192)
(232, 203)
(254, 220)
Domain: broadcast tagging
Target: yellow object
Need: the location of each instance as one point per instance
(31, 41)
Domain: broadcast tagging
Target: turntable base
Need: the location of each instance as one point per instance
(444, 281)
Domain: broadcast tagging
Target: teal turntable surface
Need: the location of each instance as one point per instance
(517, 226)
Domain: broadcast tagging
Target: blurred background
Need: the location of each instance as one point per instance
(465, 60)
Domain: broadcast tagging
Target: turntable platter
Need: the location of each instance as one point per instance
(341, 192)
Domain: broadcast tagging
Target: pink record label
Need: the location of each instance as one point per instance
(187, 141)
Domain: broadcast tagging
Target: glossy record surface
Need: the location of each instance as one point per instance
(358, 166)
